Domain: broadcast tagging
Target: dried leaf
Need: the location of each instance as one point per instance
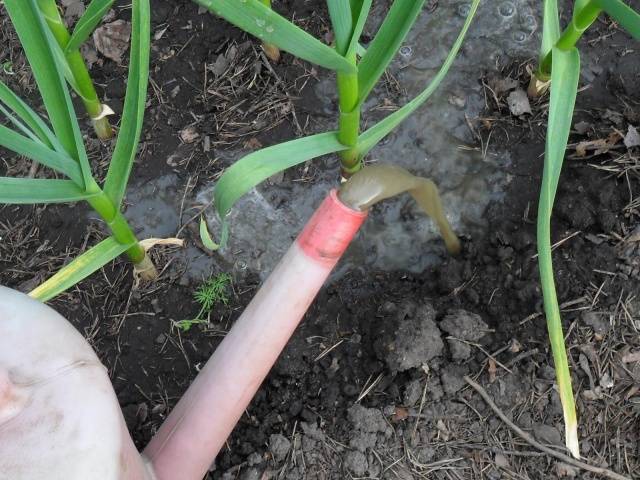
(493, 370)
(598, 146)
(399, 414)
(502, 85)
(582, 127)
(112, 39)
(631, 357)
(189, 134)
(501, 460)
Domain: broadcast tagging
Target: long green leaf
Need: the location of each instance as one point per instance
(40, 153)
(205, 236)
(256, 167)
(371, 137)
(565, 73)
(87, 23)
(342, 22)
(262, 22)
(623, 14)
(578, 5)
(80, 268)
(550, 26)
(36, 40)
(402, 15)
(28, 116)
(356, 8)
(28, 191)
(134, 104)
(17, 123)
(359, 23)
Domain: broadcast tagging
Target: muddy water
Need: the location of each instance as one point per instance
(435, 142)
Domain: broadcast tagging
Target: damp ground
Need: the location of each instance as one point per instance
(371, 385)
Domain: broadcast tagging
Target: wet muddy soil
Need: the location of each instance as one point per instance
(371, 384)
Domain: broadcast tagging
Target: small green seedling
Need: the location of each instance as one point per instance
(58, 143)
(212, 292)
(358, 70)
(560, 67)
(66, 47)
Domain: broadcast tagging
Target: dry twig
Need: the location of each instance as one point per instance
(534, 443)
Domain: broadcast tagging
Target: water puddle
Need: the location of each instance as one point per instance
(435, 142)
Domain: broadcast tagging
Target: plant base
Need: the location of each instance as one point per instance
(103, 128)
(146, 270)
(537, 87)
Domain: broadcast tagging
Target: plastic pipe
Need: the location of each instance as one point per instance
(197, 428)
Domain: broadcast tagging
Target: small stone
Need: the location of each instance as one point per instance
(518, 103)
(547, 434)
(632, 138)
(155, 304)
(160, 339)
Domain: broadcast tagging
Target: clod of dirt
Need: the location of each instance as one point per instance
(251, 474)
(112, 39)
(518, 103)
(356, 462)
(464, 326)
(369, 430)
(412, 393)
(452, 378)
(279, 445)
(511, 390)
(410, 338)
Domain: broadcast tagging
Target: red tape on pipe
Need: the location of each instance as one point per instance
(330, 230)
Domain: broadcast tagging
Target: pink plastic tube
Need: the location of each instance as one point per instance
(197, 428)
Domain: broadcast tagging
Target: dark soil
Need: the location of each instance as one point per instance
(370, 385)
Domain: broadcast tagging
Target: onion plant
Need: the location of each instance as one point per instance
(58, 145)
(560, 65)
(67, 47)
(357, 72)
